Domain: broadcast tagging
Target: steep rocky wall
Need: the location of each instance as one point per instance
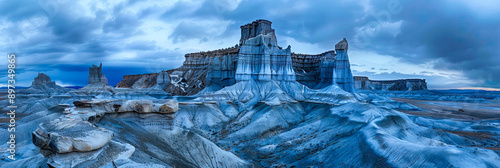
(138, 81)
(308, 68)
(343, 75)
(96, 76)
(216, 68)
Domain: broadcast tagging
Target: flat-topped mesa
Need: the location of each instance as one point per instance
(96, 76)
(202, 59)
(43, 84)
(42, 79)
(362, 82)
(255, 28)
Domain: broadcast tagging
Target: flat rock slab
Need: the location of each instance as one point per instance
(70, 135)
(97, 158)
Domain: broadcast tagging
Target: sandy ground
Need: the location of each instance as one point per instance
(455, 110)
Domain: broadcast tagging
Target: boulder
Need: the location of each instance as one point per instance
(171, 106)
(70, 135)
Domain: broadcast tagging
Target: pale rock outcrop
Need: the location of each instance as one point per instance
(97, 158)
(70, 135)
(171, 106)
(260, 59)
(162, 81)
(91, 108)
(162, 78)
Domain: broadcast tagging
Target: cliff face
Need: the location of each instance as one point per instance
(314, 71)
(362, 82)
(97, 81)
(210, 68)
(260, 59)
(257, 57)
(138, 81)
(343, 74)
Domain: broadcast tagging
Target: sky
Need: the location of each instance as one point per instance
(450, 43)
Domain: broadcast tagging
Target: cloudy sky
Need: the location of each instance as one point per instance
(451, 43)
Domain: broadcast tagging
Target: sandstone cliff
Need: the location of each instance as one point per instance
(138, 81)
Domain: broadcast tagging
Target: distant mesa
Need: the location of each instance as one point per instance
(43, 84)
(362, 82)
(42, 79)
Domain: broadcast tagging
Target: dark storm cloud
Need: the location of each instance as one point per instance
(451, 35)
(322, 22)
(66, 38)
(124, 22)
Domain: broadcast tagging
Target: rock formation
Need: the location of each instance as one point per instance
(43, 84)
(70, 135)
(260, 59)
(255, 28)
(98, 83)
(343, 74)
(213, 70)
(96, 76)
(362, 82)
(138, 81)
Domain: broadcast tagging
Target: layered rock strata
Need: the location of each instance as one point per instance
(213, 70)
(362, 82)
(73, 140)
(138, 81)
(343, 74)
(70, 135)
(260, 59)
